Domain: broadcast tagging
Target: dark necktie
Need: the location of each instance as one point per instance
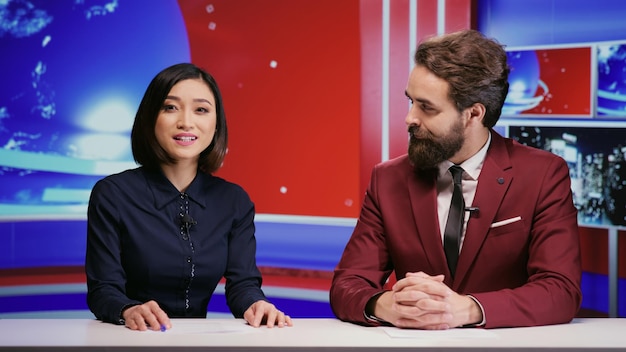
(456, 217)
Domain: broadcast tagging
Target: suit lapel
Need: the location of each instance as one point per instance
(423, 194)
(494, 180)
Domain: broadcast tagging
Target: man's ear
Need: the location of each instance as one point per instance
(476, 113)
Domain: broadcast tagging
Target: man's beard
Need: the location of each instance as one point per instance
(427, 151)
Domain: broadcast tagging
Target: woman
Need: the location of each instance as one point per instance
(160, 237)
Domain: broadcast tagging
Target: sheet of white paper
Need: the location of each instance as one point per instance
(440, 334)
(182, 327)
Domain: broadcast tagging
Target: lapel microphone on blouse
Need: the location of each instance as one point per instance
(187, 221)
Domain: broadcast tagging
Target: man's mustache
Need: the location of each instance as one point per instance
(414, 132)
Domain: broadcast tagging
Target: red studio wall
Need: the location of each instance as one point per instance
(289, 72)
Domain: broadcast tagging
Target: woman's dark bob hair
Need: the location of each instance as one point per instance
(146, 149)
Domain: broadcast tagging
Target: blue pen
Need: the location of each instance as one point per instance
(163, 328)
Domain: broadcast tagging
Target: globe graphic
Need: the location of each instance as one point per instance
(612, 80)
(74, 73)
(524, 82)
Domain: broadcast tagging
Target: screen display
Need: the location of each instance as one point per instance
(611, 72)
(596, 157)
(549, 82)
(72, 82)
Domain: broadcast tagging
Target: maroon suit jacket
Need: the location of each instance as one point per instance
(524, 273)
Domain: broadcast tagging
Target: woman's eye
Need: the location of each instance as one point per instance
(168, 107)
(203, 110)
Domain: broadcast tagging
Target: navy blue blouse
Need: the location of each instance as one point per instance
(148, 241)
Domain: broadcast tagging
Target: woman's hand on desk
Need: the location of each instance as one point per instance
(263, 312)
(146, 316)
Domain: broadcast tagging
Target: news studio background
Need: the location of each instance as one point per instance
(568, 96)
(61, 102)
(571, 101)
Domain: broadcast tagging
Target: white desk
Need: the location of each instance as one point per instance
(305, 335)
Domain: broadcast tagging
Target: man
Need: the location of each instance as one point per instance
(514, 258)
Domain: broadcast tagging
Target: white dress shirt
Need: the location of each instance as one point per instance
(445, 187)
